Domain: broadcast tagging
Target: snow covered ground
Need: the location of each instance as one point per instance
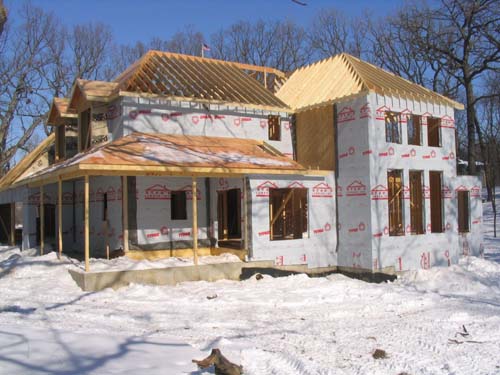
(439, 321)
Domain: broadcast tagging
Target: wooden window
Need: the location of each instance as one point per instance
(392, 127)
(414, 125)
(178, 209)
(84, 129)
(463, 198)
(288, 213)
(60, 142)
(436, 202)
(395, 196)
(416, 203)
(274, 126)
(105, 207)
(434, 132)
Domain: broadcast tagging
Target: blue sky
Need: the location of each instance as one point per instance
(143, 19)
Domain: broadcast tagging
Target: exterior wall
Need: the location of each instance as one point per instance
(155, 229)
(353, 185)
(365, 160)
(316, 250)
(169, 117)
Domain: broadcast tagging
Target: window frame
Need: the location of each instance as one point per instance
(294, 204)
(437, 126)
(411, 120)
(274, 127)
(436, 195)
(395, 203)
(463, 220)
(178, 205)
(85, 143)
(417, 214)
(393, 129)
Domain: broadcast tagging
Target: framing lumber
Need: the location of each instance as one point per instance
(86, 223)
(195, 221)
(59, 217)
(12, 237)
(245, 215)
(42, 220)
(125, 214)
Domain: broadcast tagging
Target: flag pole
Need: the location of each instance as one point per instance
(202, 51)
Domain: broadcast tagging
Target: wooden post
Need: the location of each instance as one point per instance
(106, 237)
(42, 220)
(194, 201)
(245, 215)
(12, 224)
(59, 216)
(86, 219)
(125, 213)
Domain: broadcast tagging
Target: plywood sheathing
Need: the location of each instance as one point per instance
(92, 91)
(176, 155)
(183, 76)
(343, 76)
(316, 133)
(22, 167)
(59, 110)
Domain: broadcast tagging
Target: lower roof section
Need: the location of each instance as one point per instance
(175, 155)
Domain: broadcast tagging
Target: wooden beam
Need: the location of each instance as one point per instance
(86, 220)
(42, 220)
(12, 239)
(245, 216)
(59, 217)
(125, 213)
(195, 221)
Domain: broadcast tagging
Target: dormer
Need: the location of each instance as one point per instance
(89, 100)
(64, 122)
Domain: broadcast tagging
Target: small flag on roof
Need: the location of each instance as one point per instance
(205, 47)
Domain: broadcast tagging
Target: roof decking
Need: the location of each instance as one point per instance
(342, 76)
(176, 155)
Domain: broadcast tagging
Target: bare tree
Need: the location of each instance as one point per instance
(332, 32)
(3, 16)
(279, 44)
(463, 38)
(24, 96)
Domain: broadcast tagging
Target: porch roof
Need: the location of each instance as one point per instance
(174, 155)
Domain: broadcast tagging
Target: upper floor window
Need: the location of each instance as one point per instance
(414, 126)
(274, 127)
(392, 127)
(288, 213)
(434, 131)
(84, 130)
(60, 142)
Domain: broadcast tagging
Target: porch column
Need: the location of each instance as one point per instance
(59, 216)
(12, 239)
(194, 201)
(245, 215)
(86, 220)
(42, 220)
(125, 213)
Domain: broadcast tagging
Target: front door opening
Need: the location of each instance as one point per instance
(229, 215)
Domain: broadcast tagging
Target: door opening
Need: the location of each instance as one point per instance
(229, 215)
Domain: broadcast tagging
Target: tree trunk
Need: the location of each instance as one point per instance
(222, 365)
(471, 128)
(3, 16)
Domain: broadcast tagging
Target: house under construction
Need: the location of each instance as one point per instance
(338, 164)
